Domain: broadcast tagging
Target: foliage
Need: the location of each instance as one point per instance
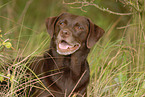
(117, 61)
(4, 43)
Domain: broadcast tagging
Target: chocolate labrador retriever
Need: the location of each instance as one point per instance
(64, 70)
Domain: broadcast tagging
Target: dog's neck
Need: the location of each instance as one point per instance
(71, 62)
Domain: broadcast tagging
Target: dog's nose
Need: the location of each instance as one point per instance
(65, 33)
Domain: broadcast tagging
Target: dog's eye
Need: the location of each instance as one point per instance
(79, 28)
(62, 24)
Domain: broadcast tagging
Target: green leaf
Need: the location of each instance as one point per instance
(8, 45)
(12, 78)
(8, 75)
(1, 77)
(3, 43)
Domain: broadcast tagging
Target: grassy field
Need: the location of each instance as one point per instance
(117, 61)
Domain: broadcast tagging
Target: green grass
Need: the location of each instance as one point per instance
(117, 61)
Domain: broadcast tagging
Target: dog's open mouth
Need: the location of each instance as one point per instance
(65, 48)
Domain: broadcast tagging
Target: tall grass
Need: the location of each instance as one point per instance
(117, 61)
(117, 68)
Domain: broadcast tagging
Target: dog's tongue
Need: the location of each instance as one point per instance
(64, 45)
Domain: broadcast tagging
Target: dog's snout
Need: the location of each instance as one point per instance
(65, 33)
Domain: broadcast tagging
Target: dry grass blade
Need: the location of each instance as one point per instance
(77, 83)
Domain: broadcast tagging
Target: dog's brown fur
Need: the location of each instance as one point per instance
(66, 72)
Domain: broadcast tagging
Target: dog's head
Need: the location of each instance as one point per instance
(72, 31)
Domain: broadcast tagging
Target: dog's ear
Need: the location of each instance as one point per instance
(95, 33)
(50, 23)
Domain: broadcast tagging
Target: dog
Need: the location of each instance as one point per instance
(64, 70)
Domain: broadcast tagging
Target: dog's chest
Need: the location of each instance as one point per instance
(66, 80)
(66, 83)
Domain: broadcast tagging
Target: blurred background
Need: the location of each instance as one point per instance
(24, 19)
(117, 61)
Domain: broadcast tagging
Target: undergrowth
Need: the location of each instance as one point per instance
(117, 61)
